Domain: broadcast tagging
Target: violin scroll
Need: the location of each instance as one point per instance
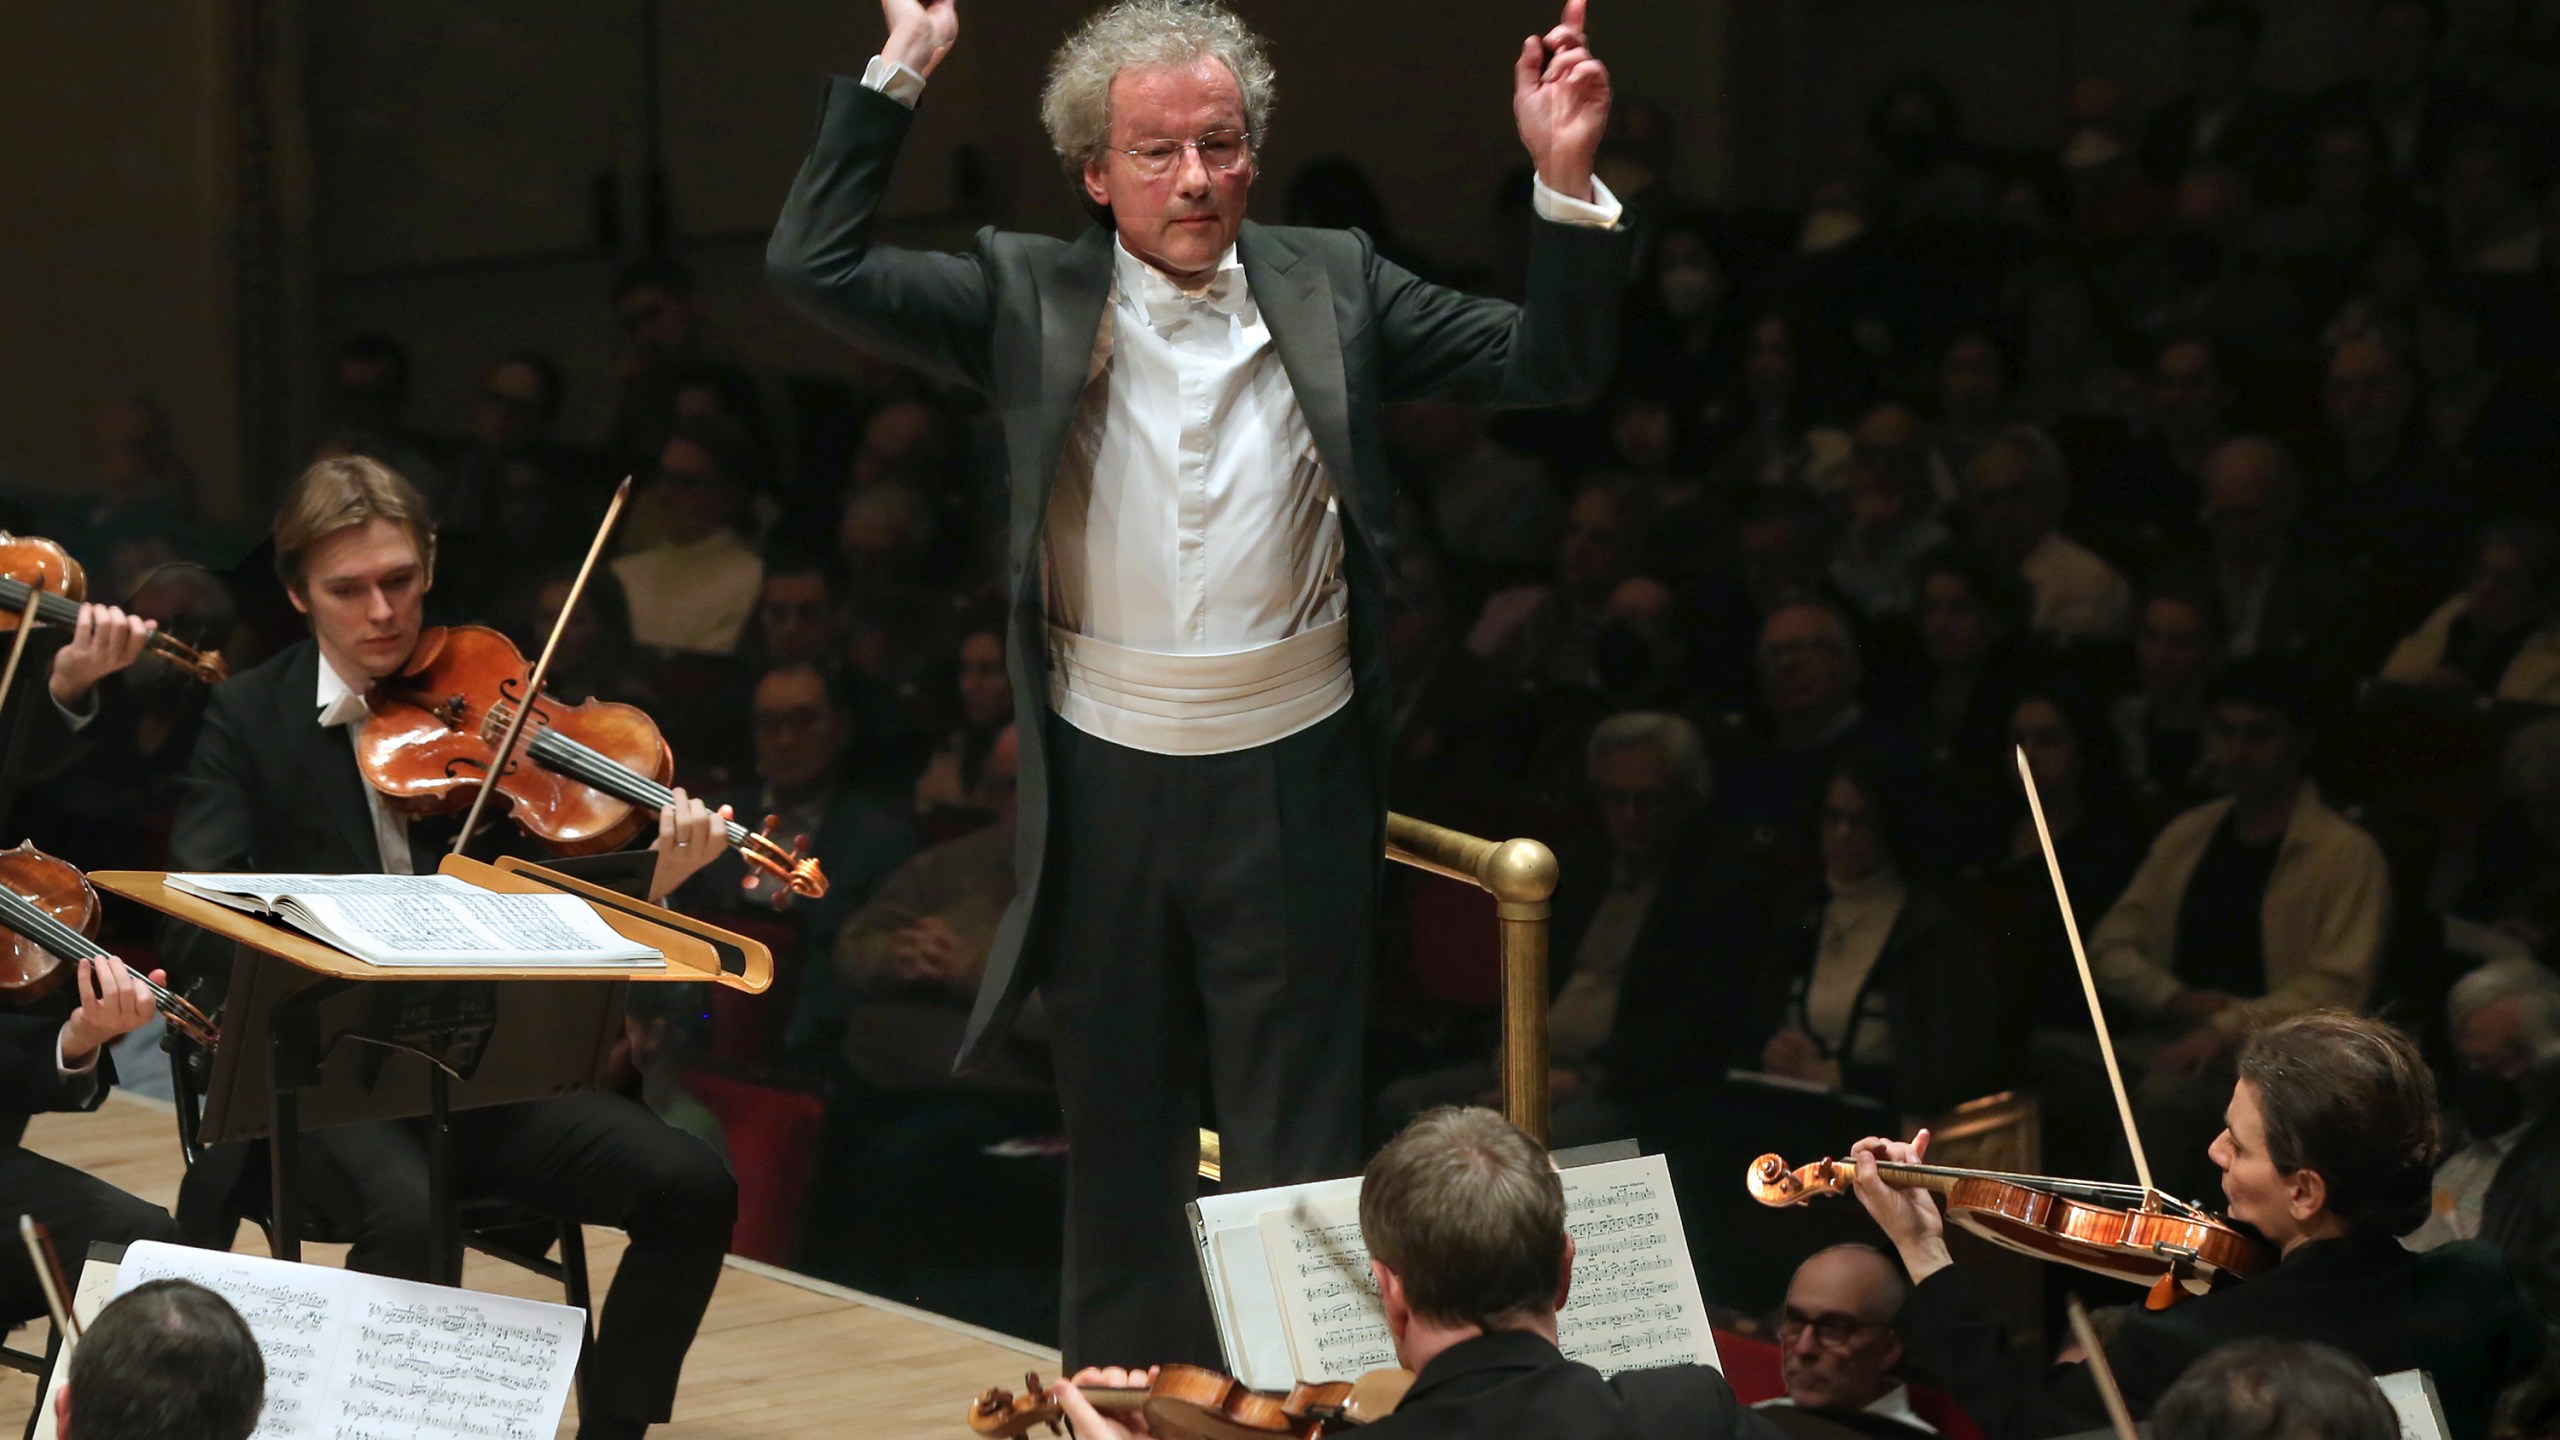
(1772, 1183)
(792, 864)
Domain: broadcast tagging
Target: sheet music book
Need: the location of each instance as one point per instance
(426, 919)
(359, 1357)
(1289, 1281)
(2412, 1394)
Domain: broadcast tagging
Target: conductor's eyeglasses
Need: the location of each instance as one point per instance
(1220, 151)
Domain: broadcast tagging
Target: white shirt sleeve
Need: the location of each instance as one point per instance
(893, 80)
(78, 719)
(85, 1067)
(1601, 211)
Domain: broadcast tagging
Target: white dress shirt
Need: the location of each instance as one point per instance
(341, 704)
(1192, 552)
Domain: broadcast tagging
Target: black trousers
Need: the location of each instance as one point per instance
(1209, 917)
(79, 1210)
(594, 1158)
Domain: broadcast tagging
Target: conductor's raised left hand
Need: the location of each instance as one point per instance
(1560, 96)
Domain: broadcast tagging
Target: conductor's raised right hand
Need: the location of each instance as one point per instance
(921, 32)
(1908, 1217)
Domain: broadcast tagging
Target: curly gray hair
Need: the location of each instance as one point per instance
(1146, 35)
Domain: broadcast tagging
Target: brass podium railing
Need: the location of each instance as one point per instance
(1520, 875)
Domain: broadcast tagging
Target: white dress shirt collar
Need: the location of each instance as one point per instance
(338, 702)
(1153, 297)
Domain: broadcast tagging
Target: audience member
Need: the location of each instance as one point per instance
(2209, 273)
(801, 615)
(2387, 501)
(1837, 1349)
(2499, 636)
(1974, 661)
(2143, 501)
(1870, 988)
(695, 590)
(2015, 493)
(167, 1359)
(2094, 841)
(2477, 410)
(2264, 904)
(1496, 512)
(139, 495)
(985, 692)
(2416, 107)
(2515, 882)
(1973, 380)
(1642, 933)
(2275, 1390)
(666, 343)
(1777, 432)
(2067, 369)
(2503, 1184)
(2225, 115)
(1544, 633)
(2492, 223)
(2274, 596)
(1460, 728)
(1889, 503)
(1810, 675)
(2160, 725)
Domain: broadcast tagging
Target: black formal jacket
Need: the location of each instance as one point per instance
(2455, 1312)
(1016, 316)
(2521, 1213)
(30, 1082)
(1513, 1383)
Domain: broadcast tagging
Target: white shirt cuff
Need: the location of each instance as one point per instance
(86, 1067)
(78, 719)
(1553, 204)
(893, 80)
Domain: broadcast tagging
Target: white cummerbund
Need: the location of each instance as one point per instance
(1199, 704)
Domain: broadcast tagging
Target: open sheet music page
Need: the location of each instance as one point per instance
(427, 919)
(360, 1357)
(1634, 1303)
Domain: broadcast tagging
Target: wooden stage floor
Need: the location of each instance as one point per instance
(779, 1355)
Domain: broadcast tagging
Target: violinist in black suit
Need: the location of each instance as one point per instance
(273, 786)
(2328, 1152)
(1463, 1216)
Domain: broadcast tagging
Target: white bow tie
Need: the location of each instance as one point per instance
(1169, 308)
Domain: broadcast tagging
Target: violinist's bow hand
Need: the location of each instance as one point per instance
(1908, 1216)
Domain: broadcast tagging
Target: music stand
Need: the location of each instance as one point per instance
(307, 1029)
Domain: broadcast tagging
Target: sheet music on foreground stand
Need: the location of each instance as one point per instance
(426, 920)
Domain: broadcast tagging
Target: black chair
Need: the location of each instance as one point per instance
(213, 1200)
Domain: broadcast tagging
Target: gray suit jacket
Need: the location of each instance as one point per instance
(1016, 318)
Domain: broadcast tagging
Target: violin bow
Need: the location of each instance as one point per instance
(2109, 1392)
(542, 667)
(18, 643)
(2088, 978)
(57, 1285)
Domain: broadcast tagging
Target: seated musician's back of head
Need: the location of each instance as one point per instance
(1464, 1219)
(2275, 1390)
(169, 1360)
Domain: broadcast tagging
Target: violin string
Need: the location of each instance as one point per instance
(53, 607)
(2045, 1182)
(35, 922)
(582, 762)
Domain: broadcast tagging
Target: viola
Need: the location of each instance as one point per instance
(30, 566)
(1187, 1402)
(49, 912)
(598, 770)
(2126, 1231)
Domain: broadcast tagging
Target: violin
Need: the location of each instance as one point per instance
(2124, 1231)
(38, 568)
(49, 913)
(1186, 1402)
(598, 771)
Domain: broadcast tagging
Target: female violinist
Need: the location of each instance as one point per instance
(274, 785)
(2328, 1151)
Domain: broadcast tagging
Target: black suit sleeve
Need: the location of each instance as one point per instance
(1958, 1338)
(31, 1083)
(213, 828)
(932, 312)
(1555, 349)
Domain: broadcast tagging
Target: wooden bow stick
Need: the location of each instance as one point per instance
(18, 643)
(2118, 1413)
(542, 667)
(57, 1286)
(2088, 978)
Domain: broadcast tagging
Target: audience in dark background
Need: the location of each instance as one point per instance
(2210, 459)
